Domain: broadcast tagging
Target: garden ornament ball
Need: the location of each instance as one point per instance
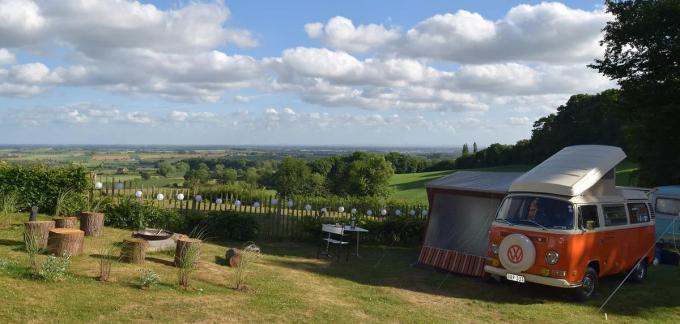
(383, 212)
(160, 196)
(397, 212)
(369, 212)
(218, 201)
(324, 210)
(274, 201)
(180, 196)
(341, 209)
(308, 207)
(198, 198)
(353, 211)
(237, 203)
(98, 185)
(412, 212)
(138, 194)
(290, 203)
(256, 204)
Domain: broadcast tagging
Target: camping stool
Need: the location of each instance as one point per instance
(333, 235)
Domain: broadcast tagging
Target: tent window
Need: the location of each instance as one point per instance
(638, 213)
(588, 214)
(615, 215)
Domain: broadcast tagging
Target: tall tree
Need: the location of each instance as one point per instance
(466, 151)
(642, 53)
(474, 147)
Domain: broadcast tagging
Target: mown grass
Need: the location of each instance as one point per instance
(288, 284)
(411, 186)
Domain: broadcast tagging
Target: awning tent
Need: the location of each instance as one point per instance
(462, 208)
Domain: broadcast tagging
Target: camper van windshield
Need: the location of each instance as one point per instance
(537, 211)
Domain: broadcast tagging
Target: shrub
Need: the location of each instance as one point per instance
(133, 214)
(401, 231)
(40, 185)
(224, 225)
(55, 268)
(148, 278)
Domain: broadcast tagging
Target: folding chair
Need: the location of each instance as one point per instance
(335, 236)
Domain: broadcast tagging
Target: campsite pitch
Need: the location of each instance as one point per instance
(288, 284)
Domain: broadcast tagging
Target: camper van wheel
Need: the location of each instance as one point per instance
(588, 285)
(639, 272)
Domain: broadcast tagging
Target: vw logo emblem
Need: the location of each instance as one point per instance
(515, 254)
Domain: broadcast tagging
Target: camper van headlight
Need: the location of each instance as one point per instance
(494, 248)
(551, 257)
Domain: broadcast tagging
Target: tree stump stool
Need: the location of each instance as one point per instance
(133, 250)
(184, 246)
(40, 230)
(66, 222)
(66, 241)
(91, 223)
(233, 258)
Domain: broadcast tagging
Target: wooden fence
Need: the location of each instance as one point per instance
(279, 217)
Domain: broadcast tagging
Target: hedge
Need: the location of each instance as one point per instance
(40, 185)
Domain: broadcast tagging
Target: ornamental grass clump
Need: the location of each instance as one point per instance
(188, 257)
(55, 268)
(148, 278)
(8, 206)
(107, 254)
(247, 255)
(33, 248)
(60, 203)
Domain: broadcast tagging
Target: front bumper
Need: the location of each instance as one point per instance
(561, 283)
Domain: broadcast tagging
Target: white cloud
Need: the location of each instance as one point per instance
(340, 33)
(129, 47)
(519, 121)
(546, 32)
(6, 57)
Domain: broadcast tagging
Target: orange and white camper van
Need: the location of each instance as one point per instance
(565, 223)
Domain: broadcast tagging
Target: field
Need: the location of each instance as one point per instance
(288, 284)
(411, 186)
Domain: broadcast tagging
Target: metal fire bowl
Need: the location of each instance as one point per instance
(152, 234)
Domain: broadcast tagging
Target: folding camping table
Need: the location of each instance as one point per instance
(357, 230)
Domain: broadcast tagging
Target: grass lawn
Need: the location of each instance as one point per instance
(411, 186)
(288, 284)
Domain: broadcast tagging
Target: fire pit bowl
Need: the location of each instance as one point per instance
(153, 234)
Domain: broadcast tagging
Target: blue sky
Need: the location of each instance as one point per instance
(290, 72)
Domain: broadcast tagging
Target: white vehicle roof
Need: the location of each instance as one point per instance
(571, 171)
(479, 181)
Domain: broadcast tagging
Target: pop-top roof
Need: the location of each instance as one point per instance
(487, 182)
(571, 171)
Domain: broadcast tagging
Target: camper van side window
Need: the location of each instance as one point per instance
(588, 214)
(614, 215)
(668, 206)
(638, 213)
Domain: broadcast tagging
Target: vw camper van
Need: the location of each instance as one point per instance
(666, 201)
(566, 224)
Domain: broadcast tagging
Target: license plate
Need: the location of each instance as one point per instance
(514, 277)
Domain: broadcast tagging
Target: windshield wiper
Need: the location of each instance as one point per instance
(535, 223)
(505, 221)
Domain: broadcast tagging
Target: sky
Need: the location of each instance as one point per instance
(255, 72)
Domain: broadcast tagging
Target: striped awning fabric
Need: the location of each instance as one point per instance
(452, 261)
